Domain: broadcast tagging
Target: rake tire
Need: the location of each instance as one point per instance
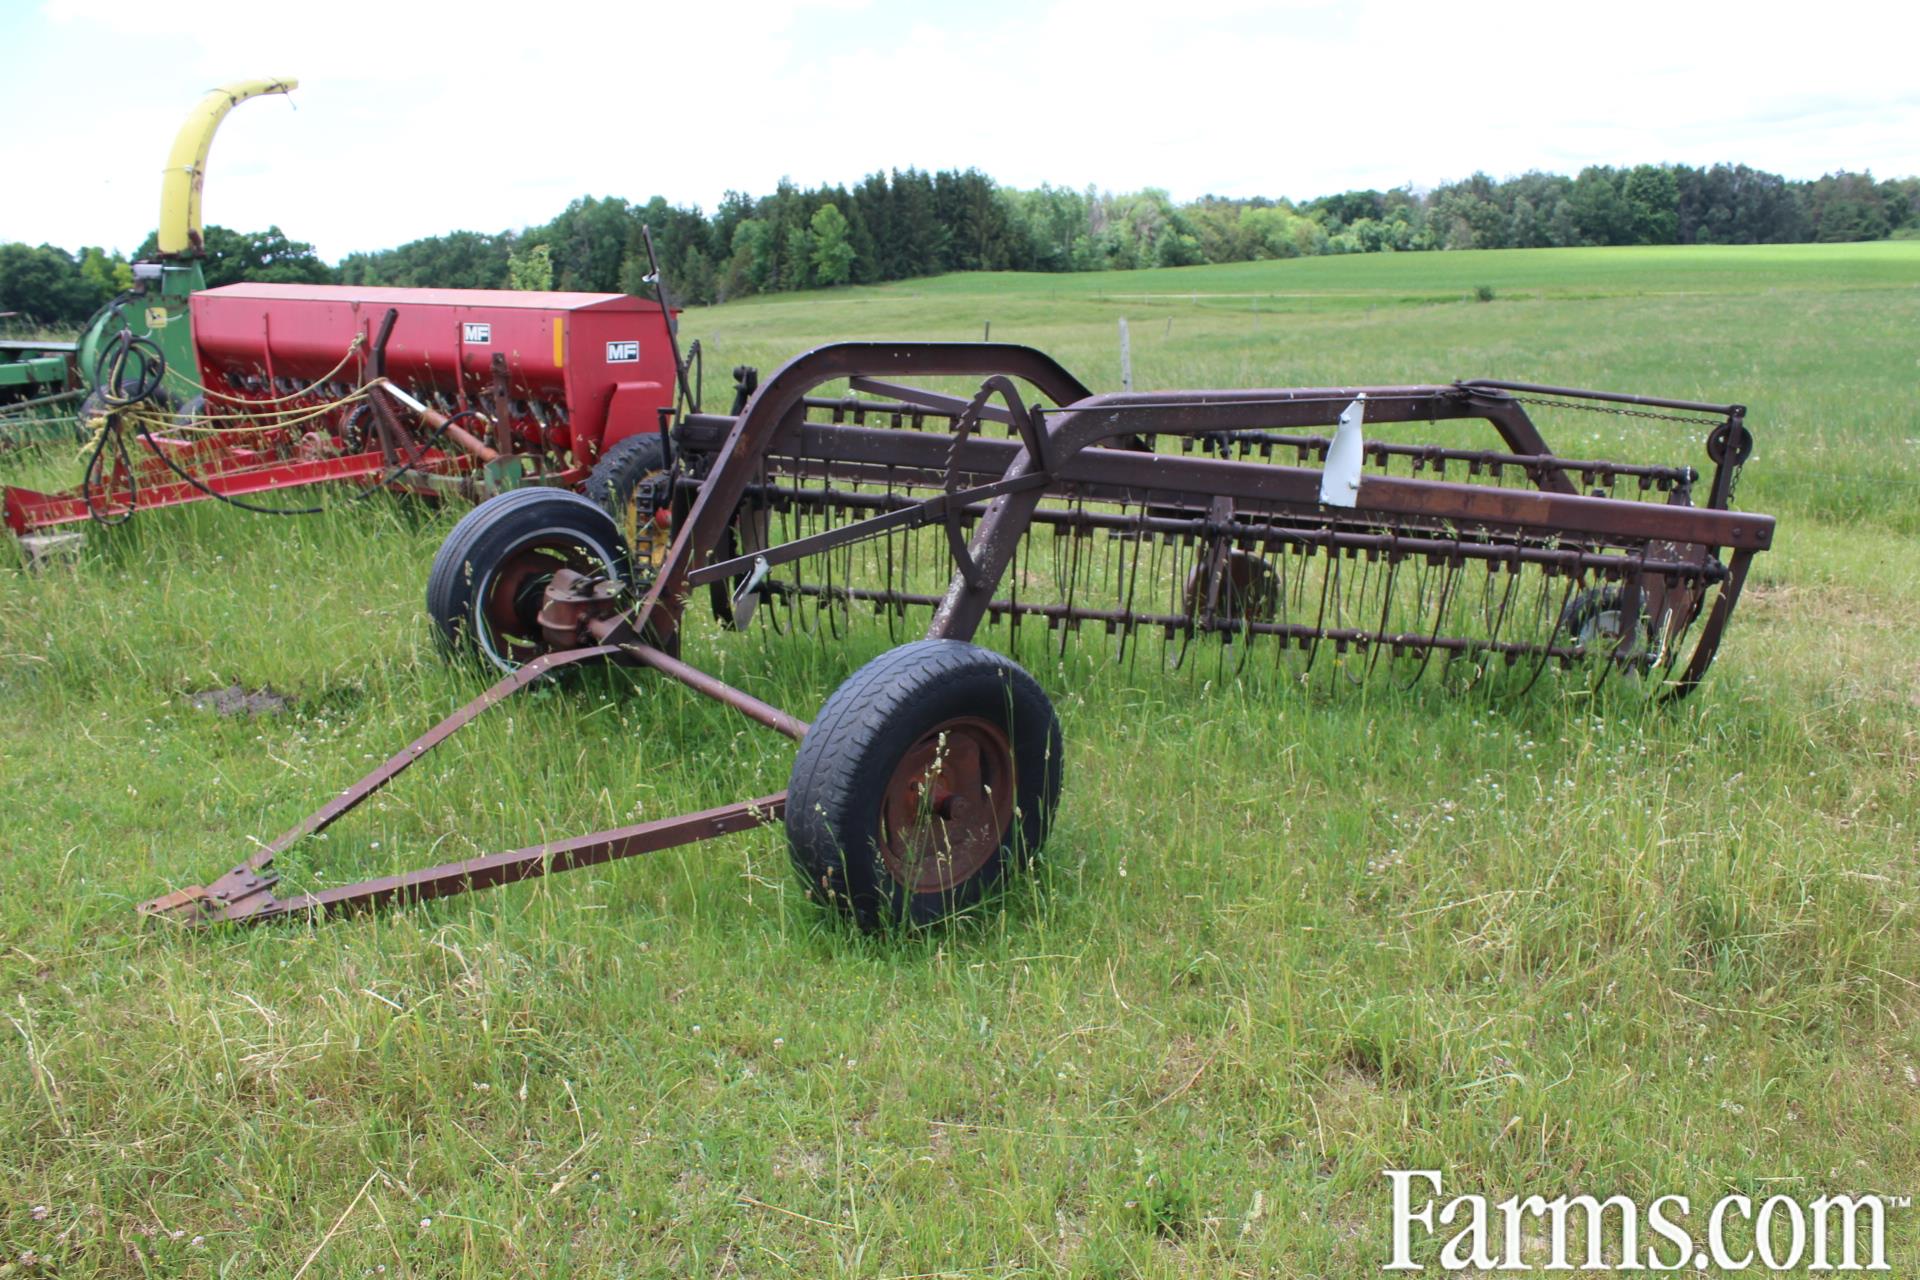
(492, 536)
(1584, 618)
(622, 469)
(968, 710)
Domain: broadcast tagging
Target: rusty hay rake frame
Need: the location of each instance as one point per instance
(1640, 588)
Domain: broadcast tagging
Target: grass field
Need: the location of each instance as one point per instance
(1283, 939)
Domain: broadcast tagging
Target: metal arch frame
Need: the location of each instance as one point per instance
(778, 396)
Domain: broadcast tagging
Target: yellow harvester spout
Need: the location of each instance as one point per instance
(180, 230)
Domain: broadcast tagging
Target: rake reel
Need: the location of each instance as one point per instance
(1170, 521)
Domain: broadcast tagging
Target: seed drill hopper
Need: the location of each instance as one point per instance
(956, 487)
(240, 393)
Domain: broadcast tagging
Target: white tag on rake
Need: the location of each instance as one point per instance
(1340, 482)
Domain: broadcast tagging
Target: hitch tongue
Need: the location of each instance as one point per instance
(244, 891)
(245, 894)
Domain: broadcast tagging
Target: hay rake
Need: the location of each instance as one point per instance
(1169, 520)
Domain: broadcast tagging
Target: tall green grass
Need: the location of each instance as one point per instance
(1284, 937)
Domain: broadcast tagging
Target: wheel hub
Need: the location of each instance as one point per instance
(948, 805)
(571, 603)
(513, 595)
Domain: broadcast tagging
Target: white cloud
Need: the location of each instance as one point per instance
(418, 118)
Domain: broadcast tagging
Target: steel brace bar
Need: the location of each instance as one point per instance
(244, 895)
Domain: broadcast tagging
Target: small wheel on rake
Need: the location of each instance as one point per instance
(1596, 620)
(932, 771)
(1249, 590)
(632, 483)
(487, 582)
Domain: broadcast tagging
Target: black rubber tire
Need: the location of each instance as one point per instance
(848, 757)
(94, 404)
(631, 484)
(1586, 607)
(358, 430)
(1585, 610)
(490, 533)
(621, 470)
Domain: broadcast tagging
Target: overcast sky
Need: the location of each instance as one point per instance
(413, 119)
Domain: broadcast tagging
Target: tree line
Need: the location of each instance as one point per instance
(906, 223)
(45, 285)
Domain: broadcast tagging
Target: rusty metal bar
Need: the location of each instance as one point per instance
(245, 893)
(1359, 637)
(494, 869)
(745, 703)
(917, 401)
(939, 402)
(253, 878)
(1241, 531)
(912, 516)
(1378, 451)
(58, 397)
(1716, 624)
(1127, 476)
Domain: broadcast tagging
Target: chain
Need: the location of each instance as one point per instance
(1589, 406)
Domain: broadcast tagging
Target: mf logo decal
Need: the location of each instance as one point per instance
(476, 335)
(625, 352)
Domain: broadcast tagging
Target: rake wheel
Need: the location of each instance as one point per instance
(485, 588)
(1595, 620)
(1249, 590)
(631, 482)
(933, 770)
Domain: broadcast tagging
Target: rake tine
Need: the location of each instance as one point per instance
(1182, 601)
(1442, 594)
(1544, 649)
(826, 596)
(1501, 610)
(1021, 566)
(1073, 581)
(1366, 574)
(1112, 568)
(894, 585)
(1130, 626)
(1329, 579)
(1677, 646)
(1386, 608)
(803, 598)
